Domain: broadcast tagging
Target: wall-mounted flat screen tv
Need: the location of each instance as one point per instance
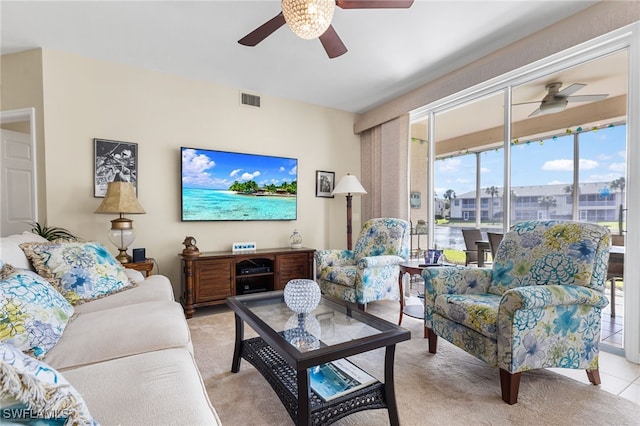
(221, 185)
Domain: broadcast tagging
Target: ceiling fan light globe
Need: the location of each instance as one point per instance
(553, 107)
(308, 19)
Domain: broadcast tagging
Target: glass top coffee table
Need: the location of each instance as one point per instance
(290, 344)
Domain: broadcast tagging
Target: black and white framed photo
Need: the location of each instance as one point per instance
(325, 181)
(114, 161)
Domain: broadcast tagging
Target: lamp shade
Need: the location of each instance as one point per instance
(120, 198)
(308, 19)
(349, 184)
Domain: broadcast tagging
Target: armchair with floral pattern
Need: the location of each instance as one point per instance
(370, 271)
(538, 306)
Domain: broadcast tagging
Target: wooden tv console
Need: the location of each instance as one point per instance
(211, 277)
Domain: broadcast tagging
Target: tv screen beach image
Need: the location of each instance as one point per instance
(220, 185)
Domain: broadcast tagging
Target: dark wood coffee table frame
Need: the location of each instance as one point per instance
(286, 369)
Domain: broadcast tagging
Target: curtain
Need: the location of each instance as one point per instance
(384, 164)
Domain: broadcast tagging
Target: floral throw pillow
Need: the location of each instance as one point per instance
(81, 271)
(33, 314)
(33, 390)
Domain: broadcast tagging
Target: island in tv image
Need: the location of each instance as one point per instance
(221, 185)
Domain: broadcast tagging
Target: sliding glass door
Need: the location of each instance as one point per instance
(565, 158)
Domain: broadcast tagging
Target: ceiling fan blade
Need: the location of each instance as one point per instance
(332, 43)
(374, 4)
(526, 103)
(586, 98)
(536, 112)
(263, 31)
(570, 90)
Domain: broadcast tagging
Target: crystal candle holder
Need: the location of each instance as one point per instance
(302, 296)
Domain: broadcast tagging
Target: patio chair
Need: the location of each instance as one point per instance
(539, 306)
(494, 241)
(471, 249)
(370, 271)
(615, 271)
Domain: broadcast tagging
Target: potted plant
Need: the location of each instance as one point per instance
(51, 232)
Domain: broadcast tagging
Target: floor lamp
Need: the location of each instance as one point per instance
(350, 186)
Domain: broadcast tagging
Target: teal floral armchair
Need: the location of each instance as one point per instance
(370, 271)
(538, 306)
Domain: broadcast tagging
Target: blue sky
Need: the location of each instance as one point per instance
(219, 169)
(602, 159)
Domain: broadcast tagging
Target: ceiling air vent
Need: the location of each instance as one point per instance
(250, 100)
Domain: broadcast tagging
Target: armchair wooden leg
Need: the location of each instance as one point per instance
(510, 384)
(433, 341)
(594, 376)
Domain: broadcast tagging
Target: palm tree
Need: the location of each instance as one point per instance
(494, 192)
(449, 195)
(568, 190)
(619, 184)
(547, 201)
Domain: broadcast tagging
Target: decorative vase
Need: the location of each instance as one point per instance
(302, 296)
(295, 240)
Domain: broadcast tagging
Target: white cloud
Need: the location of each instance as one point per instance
(250, 176)
(195, 163)
(194, 168)
(565, 165)
(609, 177)
(618, 167)
(587, 164)
(558, 165)
(235, 172)
(449, 165)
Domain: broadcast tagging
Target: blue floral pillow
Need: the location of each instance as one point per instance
(32, 313)
(81, 271)
(33, 390)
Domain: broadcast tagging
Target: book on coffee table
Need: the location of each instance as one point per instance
(336, 378)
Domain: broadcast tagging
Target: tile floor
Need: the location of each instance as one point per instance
(611, 331)
(619, 376)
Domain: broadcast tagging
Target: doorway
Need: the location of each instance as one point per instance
(18, 171)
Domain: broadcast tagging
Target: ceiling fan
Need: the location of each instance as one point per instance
(311, 19)
(556, 101)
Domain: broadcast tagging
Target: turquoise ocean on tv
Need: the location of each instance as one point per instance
(216, 204)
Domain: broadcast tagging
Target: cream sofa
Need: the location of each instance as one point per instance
(129, 355)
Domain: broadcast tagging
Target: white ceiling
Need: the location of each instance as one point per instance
(390, 51)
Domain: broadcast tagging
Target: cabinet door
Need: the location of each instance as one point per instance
(213, 279)
(291, 266)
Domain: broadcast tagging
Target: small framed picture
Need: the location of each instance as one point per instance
(415, 200)
(325, 181)
(114, 161)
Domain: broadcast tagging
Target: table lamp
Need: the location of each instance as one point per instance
(350, 186)
(121, 199)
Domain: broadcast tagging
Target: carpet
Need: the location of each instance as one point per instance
(448, 388)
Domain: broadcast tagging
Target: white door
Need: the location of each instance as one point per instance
(17, 182)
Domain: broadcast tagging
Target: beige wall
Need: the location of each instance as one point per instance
(21, 87)
(86, 99)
